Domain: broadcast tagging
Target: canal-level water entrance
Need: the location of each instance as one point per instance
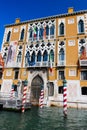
(36, 86)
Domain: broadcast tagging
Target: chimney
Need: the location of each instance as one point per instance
(17, 20)
(70, 10)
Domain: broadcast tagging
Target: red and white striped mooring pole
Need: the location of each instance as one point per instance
(24, 95)
(12, 92)
(41, 99)
(65, 97)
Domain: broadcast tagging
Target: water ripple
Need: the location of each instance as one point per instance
(44, 119)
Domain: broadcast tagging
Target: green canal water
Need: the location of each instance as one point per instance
(48, 118)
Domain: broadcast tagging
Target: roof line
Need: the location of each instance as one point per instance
(48, 17)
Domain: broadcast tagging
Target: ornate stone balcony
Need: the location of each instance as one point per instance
(40, 64)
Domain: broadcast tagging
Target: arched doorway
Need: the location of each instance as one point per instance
(36, 85)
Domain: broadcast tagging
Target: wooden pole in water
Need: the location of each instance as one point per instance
(41, 99)
(24, 95)
(65, 97)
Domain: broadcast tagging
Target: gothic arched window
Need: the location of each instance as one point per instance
(52, 30)
(61, 29)
(8, 36)
(51, 55)
(45, 56)
(39, 56)
(30, 33)
(36, 31)
(41, 33)
(27, 57)
(47, 30)
(22, 35)
(19, 56)
(33, 57)
(61, 54)
(81, 26)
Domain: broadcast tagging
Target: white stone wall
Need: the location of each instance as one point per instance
(6, 86)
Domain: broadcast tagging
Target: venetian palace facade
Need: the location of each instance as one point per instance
(43, 51)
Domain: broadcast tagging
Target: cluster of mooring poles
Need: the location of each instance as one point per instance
(41, 99)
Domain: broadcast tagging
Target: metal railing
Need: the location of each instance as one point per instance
(40, 64)
(61, 63)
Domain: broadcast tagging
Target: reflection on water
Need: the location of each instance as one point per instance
(50, 118)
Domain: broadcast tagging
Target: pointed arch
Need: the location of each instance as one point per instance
(52, 30)
(36, 31)
(61, 54)
(8, 36)
(39, 56)
(51, 55)
(5, 56)
(22, 34)
(27, 57)
(30, 33)
(37, 80)
(36, 85)
(61, 29)
(19, 56)
(45, 56)
(81, 26)
(41, 32)
(47, 30)
(33, 57)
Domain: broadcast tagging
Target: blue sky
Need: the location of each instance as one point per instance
(32, 9)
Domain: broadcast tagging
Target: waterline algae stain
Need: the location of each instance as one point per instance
(44, 119)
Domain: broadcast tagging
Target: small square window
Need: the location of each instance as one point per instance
(72, 72)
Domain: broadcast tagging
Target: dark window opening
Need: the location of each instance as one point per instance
(15, 88)
(0, 87)
(83, 75)
(1, 75)
(84, 90)
(60, 90)
(81, 26)
(22, 35)
(16, 74)
(61, 74)
(8, 36)
(61, 29)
